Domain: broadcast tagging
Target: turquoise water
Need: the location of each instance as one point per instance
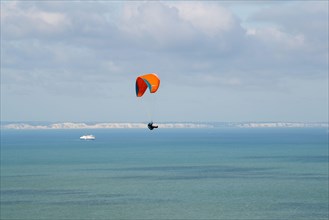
(165, 174)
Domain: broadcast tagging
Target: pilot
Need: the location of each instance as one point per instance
(151, 126)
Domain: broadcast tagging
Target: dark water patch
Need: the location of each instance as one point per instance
(211, 172)
(107, 195)
(43, 192)
(195, 172)
(89, 202)
(187, 172)
(76, 197)
(15, 202)
(305, 210)
(112, 201)
(301, 159)
(23, 176)
(57, 192)
(311, 159)
(306, 176)
(210, 168)
(217, 176)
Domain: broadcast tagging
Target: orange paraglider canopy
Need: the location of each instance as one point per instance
(143, 82)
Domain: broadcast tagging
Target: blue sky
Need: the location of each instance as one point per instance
(217, 60)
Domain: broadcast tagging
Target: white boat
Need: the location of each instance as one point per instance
(87, 137)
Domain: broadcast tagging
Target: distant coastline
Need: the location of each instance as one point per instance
(79, 125)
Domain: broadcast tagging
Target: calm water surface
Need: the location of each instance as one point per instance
(165, 174)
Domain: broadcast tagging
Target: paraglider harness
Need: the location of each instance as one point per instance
(151, 126)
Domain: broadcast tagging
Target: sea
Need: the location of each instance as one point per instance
(215, 173)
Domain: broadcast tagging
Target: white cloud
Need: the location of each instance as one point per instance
(209, 18)
(155, 25)
(293, 38)
(278, 38)
(306, 18)
(31, 21)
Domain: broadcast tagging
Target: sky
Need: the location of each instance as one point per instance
(218, 61)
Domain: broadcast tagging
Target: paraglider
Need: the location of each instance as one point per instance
(143, 82)
(149, 81)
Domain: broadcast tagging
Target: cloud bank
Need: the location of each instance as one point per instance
(98, 48)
